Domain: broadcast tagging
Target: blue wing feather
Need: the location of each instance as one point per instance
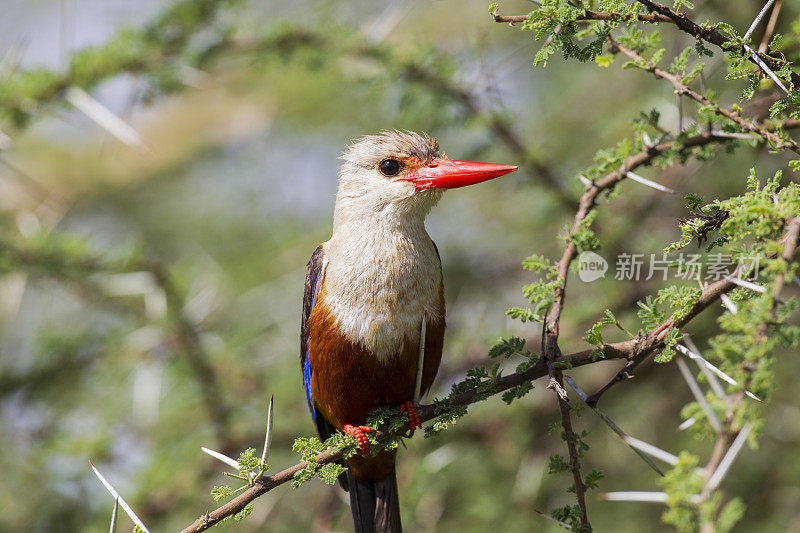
(313, 281)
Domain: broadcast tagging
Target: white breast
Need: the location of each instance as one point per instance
(379, 282)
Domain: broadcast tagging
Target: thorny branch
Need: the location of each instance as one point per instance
(662, 13)
(727, 437)
(632, 349)
(681, 89)
(713, 36)
(552, 324)
(589, 15)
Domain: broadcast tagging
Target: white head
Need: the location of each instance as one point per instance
(398, 177)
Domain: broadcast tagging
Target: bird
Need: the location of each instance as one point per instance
(368, 291)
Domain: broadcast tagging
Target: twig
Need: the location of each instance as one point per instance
(711, 293)
(711, 35)
(682, 89)
(569, 437)
(589, 15)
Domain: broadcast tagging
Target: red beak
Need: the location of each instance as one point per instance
(450, 173)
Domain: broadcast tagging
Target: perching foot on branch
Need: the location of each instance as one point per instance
(359, 433)
(413, 416)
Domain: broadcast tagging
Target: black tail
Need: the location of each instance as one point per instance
(375, 505)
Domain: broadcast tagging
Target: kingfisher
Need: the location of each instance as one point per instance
(368, 292)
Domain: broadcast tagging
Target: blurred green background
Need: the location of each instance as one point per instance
(230, 197)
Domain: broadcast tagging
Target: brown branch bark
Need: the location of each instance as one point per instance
(590, 15)
(569, 438)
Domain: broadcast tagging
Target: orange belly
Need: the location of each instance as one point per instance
(348, 381)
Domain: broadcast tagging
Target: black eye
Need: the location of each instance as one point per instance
(389, 167)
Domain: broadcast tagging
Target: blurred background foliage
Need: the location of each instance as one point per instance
(150, 294)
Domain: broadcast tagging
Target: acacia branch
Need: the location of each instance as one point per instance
(681, 89)
(631, 350)
(557, 381)
(662, 13)
(726, 438)
(713, 36)
(589, 15)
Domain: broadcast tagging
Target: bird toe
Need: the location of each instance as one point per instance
(359, 433)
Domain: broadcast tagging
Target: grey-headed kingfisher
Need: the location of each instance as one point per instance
(366, 292)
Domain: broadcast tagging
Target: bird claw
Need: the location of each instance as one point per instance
(359, 433)
(413, 416)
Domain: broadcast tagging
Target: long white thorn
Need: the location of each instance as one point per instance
(693, 352)
(222, 457)
(747, 284)
(727, 302)
(765, 68)
(120, 499)
(758, 18)
(604, 417)
(268, 436)
(730, 456)
(113, 527)
(702, 363)
(105, 118)
(649, 449)
(686, 424)
(556, 520)
(634, 496)
(698, 394)
(644, 181)
(421, 359)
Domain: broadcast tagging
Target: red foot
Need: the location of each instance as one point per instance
(413, 415)
(358, 433)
